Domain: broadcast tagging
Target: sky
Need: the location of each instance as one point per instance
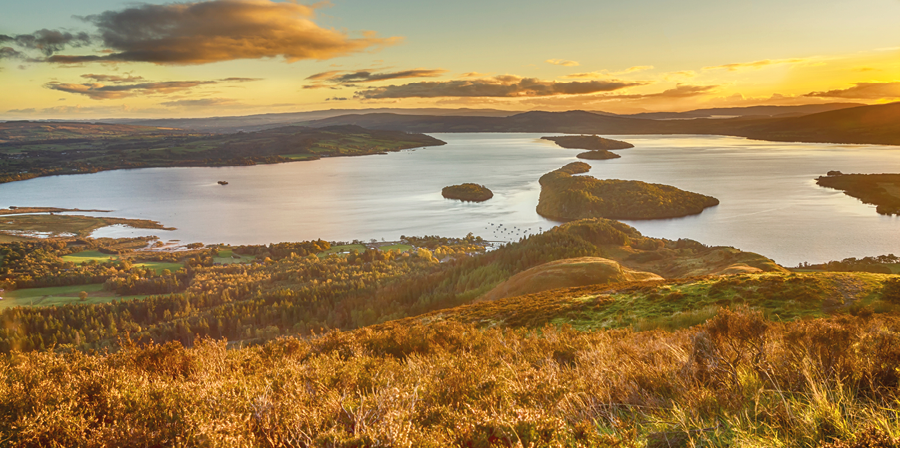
(95, 59)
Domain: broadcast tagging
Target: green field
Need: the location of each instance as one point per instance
(401, 247)
(342, 248)
(226, 256)
(56, 296)
(300, 156)
(95, 255)
(85, 256)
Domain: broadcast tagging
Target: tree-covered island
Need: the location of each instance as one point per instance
(566, 197)
(598, 147)
(469, 192)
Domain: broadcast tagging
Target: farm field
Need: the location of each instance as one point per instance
(58, 296)
(227, 256)
(94, 255)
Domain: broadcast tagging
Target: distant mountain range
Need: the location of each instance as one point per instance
(258, 122)
(872, 124)
(848, 123)
(232, 124)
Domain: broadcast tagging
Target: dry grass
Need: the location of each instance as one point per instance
(737, 380)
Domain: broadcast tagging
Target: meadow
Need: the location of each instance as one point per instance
(156, 266)
(59, 296)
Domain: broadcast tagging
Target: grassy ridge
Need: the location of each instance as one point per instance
(677, 304)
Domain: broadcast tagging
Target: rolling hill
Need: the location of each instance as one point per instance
(873, 124)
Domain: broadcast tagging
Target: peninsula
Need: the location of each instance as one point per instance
(565, 197)
(469, 192)
(881, 190)
(34, 149)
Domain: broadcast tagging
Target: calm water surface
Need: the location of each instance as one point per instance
(769, 201)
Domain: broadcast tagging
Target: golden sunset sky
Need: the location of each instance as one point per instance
(111, 59)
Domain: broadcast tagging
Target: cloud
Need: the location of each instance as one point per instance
(637, 69)
(562, 62)
(102, 91)
(9, 53)
(872, 91)
(336, 99)
(679, 74)
(112, 78)
(679, 91)
(201, 103)
(499, 86)
(365, 76)
(755, 64)
(98, 91)
(606, 73)
(47, 41)
(217, 30)
(325, 75)
(473, 75)
(240, 80)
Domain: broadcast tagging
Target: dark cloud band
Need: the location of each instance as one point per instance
(872, 91)
(501, 86)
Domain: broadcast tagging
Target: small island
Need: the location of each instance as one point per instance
(469, 192)
(588, 142)
(599, 148)
(566, 197)
(881, 190)
(598, 155)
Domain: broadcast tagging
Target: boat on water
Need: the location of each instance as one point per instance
(223, 183)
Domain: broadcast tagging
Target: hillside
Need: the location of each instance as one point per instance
(25, 131)
(874, 124)
(228, 346)
(259, 122)
(31, 150)
(681, 303)
(566, 197)
(566, 273)
(761, 110)
(736, 380)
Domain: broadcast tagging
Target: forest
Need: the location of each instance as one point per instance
(288, 289)
(29, 150)
(566, 197)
